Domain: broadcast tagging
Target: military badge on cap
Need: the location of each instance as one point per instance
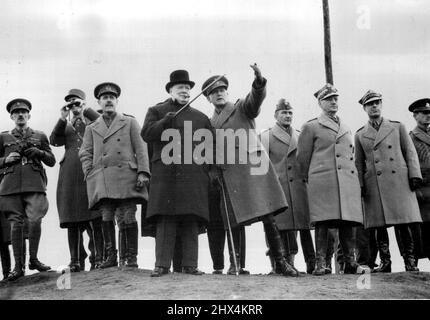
(420, 105)
(107, 87)
(326, 92)
(18, 104)
(283, 105)
(370, 96)
(222, 82)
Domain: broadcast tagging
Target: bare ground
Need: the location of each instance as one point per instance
(137, 284)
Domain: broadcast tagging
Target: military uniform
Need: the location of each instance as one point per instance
(281, 145)
(387, 164)
(72, 199)
(23, 186)
(325, 154)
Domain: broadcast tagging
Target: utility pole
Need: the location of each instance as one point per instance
(327, 43)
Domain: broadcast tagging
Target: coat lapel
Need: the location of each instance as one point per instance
(384, 130)
(281, 134)
(100, 127)
(421, 135)
(342, 130)
(326, 122)
(293, 141)
(117, 123)
(218, 120)
(369, 132)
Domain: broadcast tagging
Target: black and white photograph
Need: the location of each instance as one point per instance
(236, 150)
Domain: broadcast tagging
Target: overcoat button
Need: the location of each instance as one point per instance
(379, 173)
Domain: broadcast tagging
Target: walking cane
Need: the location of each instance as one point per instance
(203, 90)
(236, 269)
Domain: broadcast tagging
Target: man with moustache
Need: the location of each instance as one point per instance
(250, 195)
(421, 139)
(72, 199)
(178, 199)
(280, 142)
(116, 169)
(23, 183)
(325, 154)
(389, 173)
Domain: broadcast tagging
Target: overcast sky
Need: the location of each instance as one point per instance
(51, 46)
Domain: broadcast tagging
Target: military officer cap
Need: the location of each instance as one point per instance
(222, 82)
(18, 104)
(179, 77)
(283, 105)
(370, 96)
(420, 105)
(107, 87)
(75, 93)
(326, 92)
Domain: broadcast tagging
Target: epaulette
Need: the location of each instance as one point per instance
(394, 121)
(128, 115)
(312, 119)
(236, 101)
(360, 129)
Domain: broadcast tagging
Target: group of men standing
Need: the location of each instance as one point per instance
(315, 178)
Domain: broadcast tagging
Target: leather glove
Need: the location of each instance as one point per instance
(142, 180)
(33, 153)
(414, 183)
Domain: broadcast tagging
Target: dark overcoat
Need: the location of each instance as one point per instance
(24, 176)
(386, 159)
(111, 159)
(179, 187)
(325, 153)
(72, 199)
(282, 150)
(252, 187)
(421, 142)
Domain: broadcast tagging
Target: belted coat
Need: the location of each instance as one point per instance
(386, 159)
(72, 199)
(251, 185)
(111, 159)
(325, 154)
(282, 150)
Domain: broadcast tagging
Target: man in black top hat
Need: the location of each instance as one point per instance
(178, 200)
(421, 139)
(72, 199)
(23, 183)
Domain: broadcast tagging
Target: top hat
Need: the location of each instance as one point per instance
(179, 76)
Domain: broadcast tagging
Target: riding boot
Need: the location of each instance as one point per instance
(91, 244)
(74, 243)
(108, 228)
(96, 225)
(321, 244)
(82, 253)
(122, 247)
(331, 242)
(383, 244)
(17, 238)
(131, 232)
(276, 247)
(5, 259)
(347, 243)
(34, 232)
(408, 247)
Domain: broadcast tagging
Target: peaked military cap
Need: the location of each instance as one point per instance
(222, 82)
(177, 77)
(420, 105)
(370, 96)
(326, 92)
(18, 104)
(107, 87)
(75, 93)
(283, 105)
